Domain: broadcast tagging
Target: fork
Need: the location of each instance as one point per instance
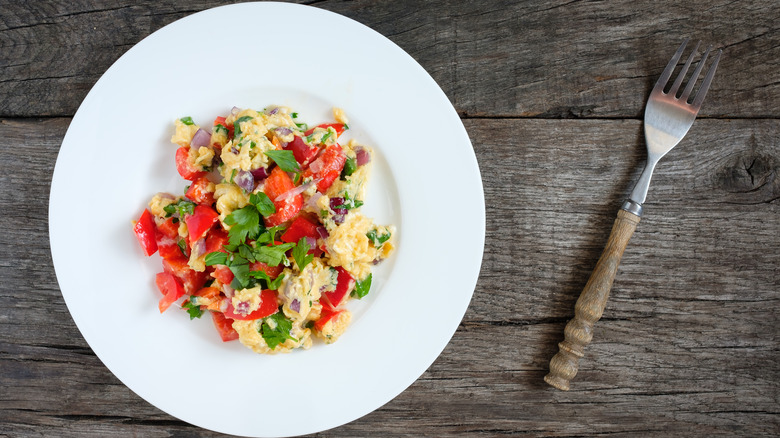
(668, 117)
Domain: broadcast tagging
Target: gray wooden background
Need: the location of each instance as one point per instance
(552, 95)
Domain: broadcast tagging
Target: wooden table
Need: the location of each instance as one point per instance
(552, 95)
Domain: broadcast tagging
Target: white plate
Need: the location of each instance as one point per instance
(117, 154)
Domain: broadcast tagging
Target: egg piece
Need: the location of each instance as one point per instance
(349, 246)
(184, 133)
(229, 197)
(334, 328)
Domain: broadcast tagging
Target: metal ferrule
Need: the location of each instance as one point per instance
(632, 207)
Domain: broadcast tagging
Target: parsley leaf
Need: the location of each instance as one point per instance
(378, 240)
(280, 332)
(301, 254)
(284, 159)
(244, 223)
(187, 121)
(183, 208)
(182, 246)
(237, 125)
(192, 309)
(327, 135)
(272, 255)
(263, 203)
(294, 115)
(362, 287)
(221, 128)
(350, 166)
(216, 258)
(271, 284)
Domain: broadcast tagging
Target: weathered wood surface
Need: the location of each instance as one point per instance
(688, 344)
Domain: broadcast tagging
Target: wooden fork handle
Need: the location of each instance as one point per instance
(590, 305)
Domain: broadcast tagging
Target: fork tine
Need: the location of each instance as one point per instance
(659, 85)
(707, 80)
(681, 75)
(692, 81)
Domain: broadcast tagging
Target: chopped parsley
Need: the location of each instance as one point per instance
(348, 203)
(362, 287)
(192, 309)
(182, 246)
(378, 239)
(301, 254)
(279, 333)
(183, 208)
(284, 159)
(220, 128)
(350, 166)
(187, 121)
(237, 125)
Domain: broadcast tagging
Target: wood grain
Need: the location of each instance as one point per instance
(556, 59)
(551, 94)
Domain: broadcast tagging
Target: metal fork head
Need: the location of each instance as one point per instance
(669, 116)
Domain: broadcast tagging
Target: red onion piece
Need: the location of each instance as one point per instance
(234, 150)
(283, 131)
(313, 200)
(199, 247)
(316, 166)
(312, 242)
(294, 191)
(362, 156)
(272, 111)
(260, 174)
(323, 232)
(235, 110)
(337, 205)
(295, 305)
(338, 218)
(201, 138)
(229, 291)
(242, 308)
(245, 180)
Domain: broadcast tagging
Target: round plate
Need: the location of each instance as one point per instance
(116, 155)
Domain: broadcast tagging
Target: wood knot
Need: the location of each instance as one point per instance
(750, 177)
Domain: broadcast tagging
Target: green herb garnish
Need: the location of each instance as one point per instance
(237, 125)
(362, 287)
(301, 254)
(279, 333)
(350, 166)
(192, 309)
(284, 159)
(187, 121)
(377, 239)
(183, 208)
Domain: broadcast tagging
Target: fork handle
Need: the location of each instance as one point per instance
(590, 305)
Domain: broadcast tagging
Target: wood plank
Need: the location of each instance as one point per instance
(556, 59)
(687, 346)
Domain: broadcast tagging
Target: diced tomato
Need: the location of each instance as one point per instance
(303, 153)
(338, 127)
(170, 287)
(272, 271)
(300, 227)
(169, 228)
(169, 247)
(216, 239)
(200, 221)
(344, 284)
(222, 121)
(326, 316)
(145, 231)
(224, 327)
(191, 280)
(201, 191)
(223, 274)
(279, 183)
(184, 167)
(332, 163)
(268, 306)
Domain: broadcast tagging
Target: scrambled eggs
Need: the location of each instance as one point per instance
(268, 237)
